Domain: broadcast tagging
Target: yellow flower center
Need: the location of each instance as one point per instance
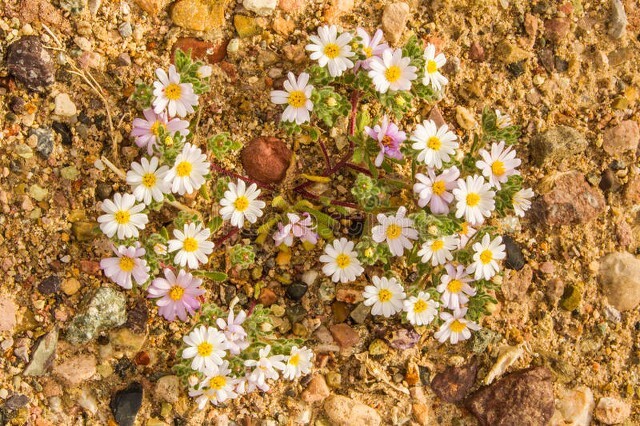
(122, 217)
(126, 264)
(434, 143)
(157, 127)
(190, 244)
(297, 99)
(332, 50)
(473, 199)
(173, 91)
(241, 203)
(420, 306)
(343, 260)
(497, 168)
(457, 326)
(205, 349)
(437, 245)
(432, 66)
(454, 286)
(184, 169)
(217, 382)
(387, 141)
(465, 228)
(176, 293)
(368, 51)
(393, 231)
(384, 295)
(438, 187)
(486, 256)
(294, 360)
(149, 180)
(393, 73)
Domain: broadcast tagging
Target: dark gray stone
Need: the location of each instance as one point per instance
(454, 383)
(515, 259)
(50, 285)
(44, 145)
(296, 290)
(126, 403)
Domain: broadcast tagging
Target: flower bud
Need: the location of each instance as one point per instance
(160, 249)
(204, 71)
(193, 380)
(399, 100)
(266, 327)
(331, 102)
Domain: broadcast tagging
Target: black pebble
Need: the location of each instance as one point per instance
(64, 131)
(516, 69)
(515, 259)
(50, 285)
(296, 290)
(126, 403)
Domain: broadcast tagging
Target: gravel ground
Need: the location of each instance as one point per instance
(566, 71)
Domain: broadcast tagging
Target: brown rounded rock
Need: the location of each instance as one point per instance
(266, 159)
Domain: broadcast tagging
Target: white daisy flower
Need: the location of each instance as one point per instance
(436, 144)
(385, 295)
(434, 189)
(396, 230)
(128, 263)
(475, 199)
(341, 261)
(297, 96)
(371, 46)
(498, 165)
(330, 50)
(433, 64)
(217, 387)
(204, 71)
(454, 287)
(466, 233)
(503, 120)
(521, 201)
(392, 71)
(455, 327)
(234, 332)
(298, 363)
(147, 180)
(421, 309)
(207, 346)
(240, 203)
(122, 217)
(178, 98)
(265, 368)
(485, 257)
(439, 249)
(189, 170)
(192, 245)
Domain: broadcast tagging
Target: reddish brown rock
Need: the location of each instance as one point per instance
(344, 335)
(436, 116)
(622, 138)
(557, 29)
(453, 384)
(476, 52)
(266, 159)
(572, 201)
(201, 50)
(317, 390)
(632, 190)
(523, 398)
(267, 297)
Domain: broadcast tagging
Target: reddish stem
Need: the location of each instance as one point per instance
(326, 155)
(228, 235)
(237, 176)
(252, 306)
(358, 168)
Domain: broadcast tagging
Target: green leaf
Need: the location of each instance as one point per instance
(212, 275)
(215, 224)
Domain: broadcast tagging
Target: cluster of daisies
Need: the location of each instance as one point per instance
(387, 69)
(178, 292)
(440, 187)
(208, 349)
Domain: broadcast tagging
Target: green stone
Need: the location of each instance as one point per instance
(84, 231)
(69, 173)
(378, 347)
(107, 309)
(571, 298)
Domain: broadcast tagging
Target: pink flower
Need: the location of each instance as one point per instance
(434, 190)
(147, 130)
(300, 228)
(128, 263)
(176, 295)
(234, 332)
(389, 138)
(371, 46)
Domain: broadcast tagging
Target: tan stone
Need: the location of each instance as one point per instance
(199, 15)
